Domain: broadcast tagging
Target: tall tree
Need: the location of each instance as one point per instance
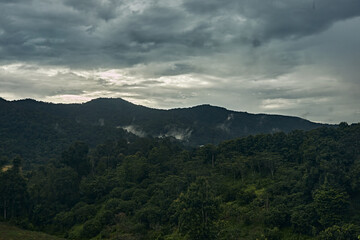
(331, 205)
(77, 158)
(13, 191)
(197, 211)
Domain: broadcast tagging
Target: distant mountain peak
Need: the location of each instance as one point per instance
(110, 101)
(208, 123)
(208, 106)
(54, 125)
(103, 99)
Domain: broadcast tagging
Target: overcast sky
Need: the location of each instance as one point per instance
(291, 57)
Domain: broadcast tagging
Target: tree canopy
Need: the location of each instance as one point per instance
(300, 185)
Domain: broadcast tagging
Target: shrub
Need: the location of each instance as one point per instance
(91, 228)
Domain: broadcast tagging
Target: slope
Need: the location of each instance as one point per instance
(39, 131)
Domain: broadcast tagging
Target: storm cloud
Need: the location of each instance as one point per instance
(297, 57)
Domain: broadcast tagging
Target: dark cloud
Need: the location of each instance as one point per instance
(178, 69)
(276, 56)
(113, 32)
(277, 18)
(105, 10)
(302, 18)
(209, 7)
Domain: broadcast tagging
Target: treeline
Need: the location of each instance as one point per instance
(301, 185)
(39, 131)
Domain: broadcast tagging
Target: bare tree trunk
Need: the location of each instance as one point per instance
(267, 203)
(5, 209)
(259, 166)
(12, 208)
(212, 160)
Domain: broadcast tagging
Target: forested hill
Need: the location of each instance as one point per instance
(38, 130)
(300, 185)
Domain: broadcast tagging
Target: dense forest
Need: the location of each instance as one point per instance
(296, 185)
(38, 131)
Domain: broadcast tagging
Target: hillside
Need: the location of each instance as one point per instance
(8, 232)
(300, 185)
(39, 131)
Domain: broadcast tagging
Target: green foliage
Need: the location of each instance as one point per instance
(83, 212)
(64, 221)
(11, 232)
(272, 234)
(91, 228)
(127, 207)
(76, 157)
(245, 197)
(277, 216)
(105, 217)
(344, 232)
(149, 215)
(302, 185)
(304, 219)
(13, 192)
(93, 188)
(113, 205)
(331, 205)
(197, 210)
(52, 190)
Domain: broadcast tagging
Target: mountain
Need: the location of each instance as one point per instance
(39, 131)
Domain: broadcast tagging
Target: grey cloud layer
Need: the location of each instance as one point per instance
(277, 56)
(132, 32)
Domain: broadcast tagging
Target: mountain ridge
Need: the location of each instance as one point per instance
(121, 100)
(48, 128)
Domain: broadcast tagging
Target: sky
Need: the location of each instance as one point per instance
(289, 57)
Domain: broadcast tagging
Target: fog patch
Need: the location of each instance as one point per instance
(275, 130)
(262, 120)
(101, 122)
(178, 133)
(225, 126)
(134, 130)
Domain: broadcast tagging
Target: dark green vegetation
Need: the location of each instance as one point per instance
(8, 232)
(39, 131)
(300, 185)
